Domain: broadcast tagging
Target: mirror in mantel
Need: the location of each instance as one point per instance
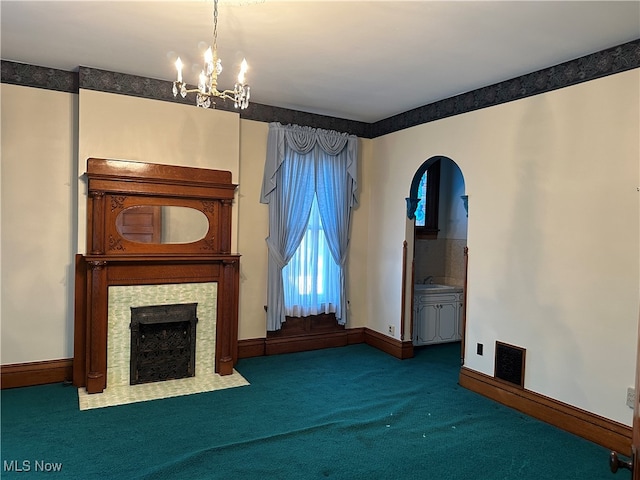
(162, 224)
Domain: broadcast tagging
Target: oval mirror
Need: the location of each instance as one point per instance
(162, 224)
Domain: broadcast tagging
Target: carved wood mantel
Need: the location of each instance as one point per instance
(113, 259)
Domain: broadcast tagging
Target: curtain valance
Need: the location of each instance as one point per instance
(302, 140)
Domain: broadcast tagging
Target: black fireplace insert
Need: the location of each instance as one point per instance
(163, 342)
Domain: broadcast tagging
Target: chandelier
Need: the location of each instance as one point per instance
(207, 89)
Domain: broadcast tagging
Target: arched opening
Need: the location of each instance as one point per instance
(437, 208)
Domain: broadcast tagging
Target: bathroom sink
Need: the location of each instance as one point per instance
(436, 287)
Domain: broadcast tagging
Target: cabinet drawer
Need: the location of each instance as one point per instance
(438, 298)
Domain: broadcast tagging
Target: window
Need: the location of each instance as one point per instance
(426, 225)
(311, 279)
(310, 183)
(422, 195)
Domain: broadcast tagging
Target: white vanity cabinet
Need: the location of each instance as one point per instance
(437, 313)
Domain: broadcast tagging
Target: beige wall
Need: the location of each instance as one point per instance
(553, 225)
(38, 223)
(253, 229)
(131, 128)
(359, 262)
(553, 234)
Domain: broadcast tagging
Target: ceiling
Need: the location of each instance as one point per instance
(359, 60)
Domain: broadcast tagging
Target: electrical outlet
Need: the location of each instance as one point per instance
(392, 330)
(631, 397)
(479, 348)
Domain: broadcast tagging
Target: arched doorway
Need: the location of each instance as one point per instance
(438, 208)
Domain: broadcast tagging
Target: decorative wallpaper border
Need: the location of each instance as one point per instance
(38, 77)
(600, 64)
(111, 82)
(590, 67)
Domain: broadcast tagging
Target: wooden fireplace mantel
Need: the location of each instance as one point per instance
(114, 259)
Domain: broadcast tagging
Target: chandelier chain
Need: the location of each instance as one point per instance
(215, 25)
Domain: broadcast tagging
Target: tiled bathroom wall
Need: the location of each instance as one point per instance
(442, 259)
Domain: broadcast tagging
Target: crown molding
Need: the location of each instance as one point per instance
(590, 67)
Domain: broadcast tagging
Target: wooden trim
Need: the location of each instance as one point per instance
(80, 327)
(251, 347)
(311, 324)
(608, 433)
(463, 325)
(392, 346)
(635, 436)
(129, 170)
(36, 373)
(302, 343)
(114, 186)
(403, 293)
(257, 347)
(105, 271)
(412, 291)
(355, 335)
(348, 336)
(300, 334)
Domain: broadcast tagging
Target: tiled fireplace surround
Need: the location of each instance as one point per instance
(121, 299)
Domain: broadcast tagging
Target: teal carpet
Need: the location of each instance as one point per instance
(342, 413)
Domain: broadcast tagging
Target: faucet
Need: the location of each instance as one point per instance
(428, 279)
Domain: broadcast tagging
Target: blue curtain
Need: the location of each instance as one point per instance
(311, 279)
(301, 163)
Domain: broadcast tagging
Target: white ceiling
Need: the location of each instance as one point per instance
(360, 60)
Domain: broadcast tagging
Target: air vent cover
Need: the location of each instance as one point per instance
(510, 363)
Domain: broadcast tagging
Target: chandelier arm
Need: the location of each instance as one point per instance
(226, 94)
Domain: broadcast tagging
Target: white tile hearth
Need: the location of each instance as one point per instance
(121, 299)
(124, 394)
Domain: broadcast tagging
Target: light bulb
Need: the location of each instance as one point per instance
(179, 68)
(243, 69)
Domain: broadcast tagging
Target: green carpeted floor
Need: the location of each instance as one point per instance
(342, 413)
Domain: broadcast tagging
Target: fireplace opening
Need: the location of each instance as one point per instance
(163, 342)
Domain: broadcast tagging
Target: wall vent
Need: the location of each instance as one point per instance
(509, 364)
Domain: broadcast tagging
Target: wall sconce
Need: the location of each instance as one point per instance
(465, 202)
(412, 204)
